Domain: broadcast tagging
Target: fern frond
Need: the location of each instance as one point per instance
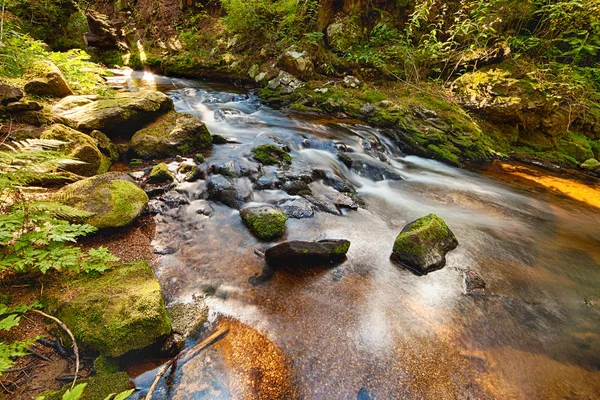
(61, 211)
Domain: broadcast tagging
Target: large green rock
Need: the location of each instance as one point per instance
(270, 154)
(118, 116)
(172, 134)
(422, 245)
(113, 197)
(45, 79)
(120, 311)
(343, 33)
(81, 147)
(266, 221)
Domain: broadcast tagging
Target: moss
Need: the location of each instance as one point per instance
(591, 165)
(135, 162)
(342, 249)
(576, 146)
(172, 134)
(115, 313)
(416, 238)
(443, 154)
(199, 158)
(160, 173)
(81, 147)
(98, 387)
(270, 154)
(115, 202)
(266, 225)
(106, 365)
(372, 96)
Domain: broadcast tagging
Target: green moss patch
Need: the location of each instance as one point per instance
(267, 222)
(270, 154)
(160, 173)
(98, 387)
(120, 311)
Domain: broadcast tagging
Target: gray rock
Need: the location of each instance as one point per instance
(351, 82)
(474, 283)
(10, 94)
(23, 106)
(303, 253)
(297, 208)
(297, 64)
(224, 191)
(344, 201)
(371, 168)
(286, 82)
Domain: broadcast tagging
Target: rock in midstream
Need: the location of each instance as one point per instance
(224, 190)
(423, 244)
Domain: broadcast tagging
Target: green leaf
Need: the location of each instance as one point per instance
(75, 393)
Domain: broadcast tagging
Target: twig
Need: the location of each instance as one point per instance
(186, 355)
(75, 348)
(40, 356)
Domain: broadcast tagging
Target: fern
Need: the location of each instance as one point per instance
(9, 318)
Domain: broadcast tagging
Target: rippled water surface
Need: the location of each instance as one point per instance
(368, 329)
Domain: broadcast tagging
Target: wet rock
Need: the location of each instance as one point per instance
(173, 344)
(118, 116)
(192, 172)
(174, 200)
(371, 168)
(160, 174)
(172, 134)
(164, 250)
(297, 64)
(422, 245)
(113, 198)
(202, 207)
(81, 147)
(329, 179)
(157, 189)
(23, 106)
(223, 190)
(344, 201)
(269, 181)
(304, 253)
(45, 79)
(270, 154)
(473, 283)
(297, 208)
(156, 206)
(323, 205)
(188, 318)
(226, 169)
(297, 187)
(119, 311)
(9, 94)
(345, 159)
(351, 82)
(266, 221)
(219, 139)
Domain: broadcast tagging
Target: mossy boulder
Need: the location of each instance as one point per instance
(120, 311)
(305, 253)
(343, 33)
(591, 165)
(423, 244)
(118, 116)
(104, 365)
(266, 221)
(172, 134)
(270, 154)
(98, 387)
(81, 147)
(113, 197)
(45, 79)
(105, 145)
(160, 173)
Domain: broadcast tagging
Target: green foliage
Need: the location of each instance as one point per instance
(18, 52)
(34, 234)
(9, 318)
(84, 77)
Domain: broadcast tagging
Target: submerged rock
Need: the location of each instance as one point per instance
(224, 190)
(120, 311)
(474, 283)
(113, 197)
(371, 168)
(422, 245)
(45, 79)
(172, 134)
(118, 116)
(303, 253)
(266, 221)
(81, 147)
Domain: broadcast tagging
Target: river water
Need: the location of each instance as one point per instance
(367, 329)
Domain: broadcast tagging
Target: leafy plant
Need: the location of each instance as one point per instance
(9, 318)
(34, 234)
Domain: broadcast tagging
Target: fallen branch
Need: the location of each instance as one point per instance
(75, 348)
(185, 356)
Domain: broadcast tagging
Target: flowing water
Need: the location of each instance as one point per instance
(367, 329)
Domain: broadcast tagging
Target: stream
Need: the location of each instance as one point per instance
(367, 329)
